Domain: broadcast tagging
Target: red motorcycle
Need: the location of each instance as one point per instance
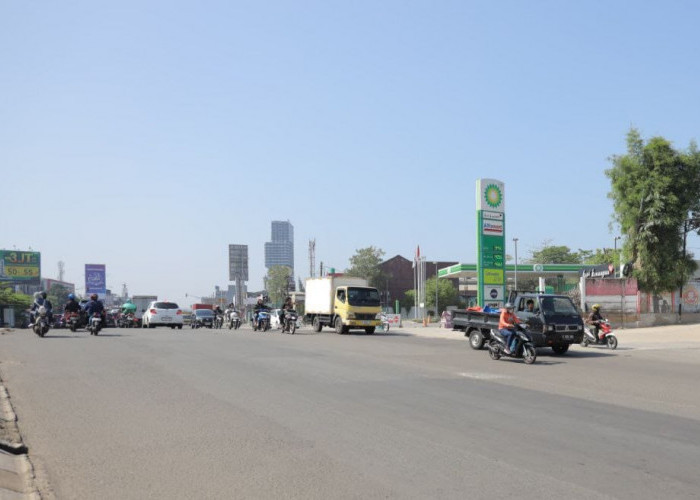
(605, 335)
(73, 320)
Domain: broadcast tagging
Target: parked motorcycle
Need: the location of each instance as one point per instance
(289, 321)
(605, 335)
(41, 321)
(261, 320)
(234, 321)
(95, 324)
(524, 347)
(385, 322)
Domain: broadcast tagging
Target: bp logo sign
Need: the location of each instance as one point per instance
(493, 196)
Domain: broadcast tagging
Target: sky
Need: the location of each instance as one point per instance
(150, 135)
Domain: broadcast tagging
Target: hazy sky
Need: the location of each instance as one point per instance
(148, 135)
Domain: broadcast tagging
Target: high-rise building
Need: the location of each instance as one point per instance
(280, 251)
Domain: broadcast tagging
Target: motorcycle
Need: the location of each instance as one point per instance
(95, 324)
(261, 320)
(605, 335)
(73, 321)
(126, 321)
(524, 348)
(218, 321)
(385, 322)
(41, 321)
(234, 321)
(289, 321)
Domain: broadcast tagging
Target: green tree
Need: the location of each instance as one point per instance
(600, 256)
(365, 264)
(277, 283)
(550, 254)
(58, 295)
(18, 301)
(448, 295)
(655, 191)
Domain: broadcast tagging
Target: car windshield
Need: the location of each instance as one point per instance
(204, 312)
(363, 297)
(165, 305)
(558, 306)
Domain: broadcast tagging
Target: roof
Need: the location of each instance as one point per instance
(544, 270)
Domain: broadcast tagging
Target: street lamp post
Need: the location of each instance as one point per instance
(515, 240)
(437, 312)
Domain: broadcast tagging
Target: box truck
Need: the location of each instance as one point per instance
(342, 302)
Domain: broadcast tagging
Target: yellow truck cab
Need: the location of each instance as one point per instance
(342, 302)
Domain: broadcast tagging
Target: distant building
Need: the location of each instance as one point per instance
(280, 251)
(400, 277)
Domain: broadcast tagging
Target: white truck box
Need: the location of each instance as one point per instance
(320, 292)
(142, 302)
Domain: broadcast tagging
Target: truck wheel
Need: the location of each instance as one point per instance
(560, 349)
(317, 325)
(339, 328)
(369, 329)
(476, 340)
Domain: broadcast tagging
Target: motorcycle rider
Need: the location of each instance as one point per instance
(41, 300)
(94, 307)
(506, 325)
(593, 320)
(260, 304)
(287, 306)
(218, 314)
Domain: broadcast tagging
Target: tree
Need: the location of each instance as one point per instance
(277, 283)
(365, 264)
(600, 256)
(448, 295)
(58, 295)
(656, 191)
(549, 254)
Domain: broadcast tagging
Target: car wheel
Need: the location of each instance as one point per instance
(476, 340)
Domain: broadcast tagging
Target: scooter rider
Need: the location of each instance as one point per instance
(593, 320)
(94, 307)
(506, 325)
(287, 306)
(41, 300)
(218, 314)
(72, 305)
(260, 304)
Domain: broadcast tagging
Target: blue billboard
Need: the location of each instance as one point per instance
(95, 280)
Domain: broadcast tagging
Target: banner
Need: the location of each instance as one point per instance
(95, 280)
(19, 267)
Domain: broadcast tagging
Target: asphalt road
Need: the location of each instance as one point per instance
(219, 414)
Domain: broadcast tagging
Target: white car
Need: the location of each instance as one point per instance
(162, 314)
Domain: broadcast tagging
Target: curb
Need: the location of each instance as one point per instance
(9, 418)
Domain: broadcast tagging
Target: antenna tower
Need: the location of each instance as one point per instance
(125, 292)
(312, 258)
(61, 270)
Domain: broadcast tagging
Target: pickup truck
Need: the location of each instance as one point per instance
(552, 320)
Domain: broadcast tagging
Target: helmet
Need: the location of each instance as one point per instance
(43, 294)
(93, 296)
(71, 296)
(596, 307)
(509, 305)
(37, 295)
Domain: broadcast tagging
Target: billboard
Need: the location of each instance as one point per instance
(491, 233)
(19, 267)
(238, 262)
(95, 280)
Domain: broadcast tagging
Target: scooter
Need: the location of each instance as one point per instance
(605, 335)
(289, 321)
(73, 321)
(41, 321)
(524, 348)
(234, 321)
(95, 324)
(385, 322)
(261, 320)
